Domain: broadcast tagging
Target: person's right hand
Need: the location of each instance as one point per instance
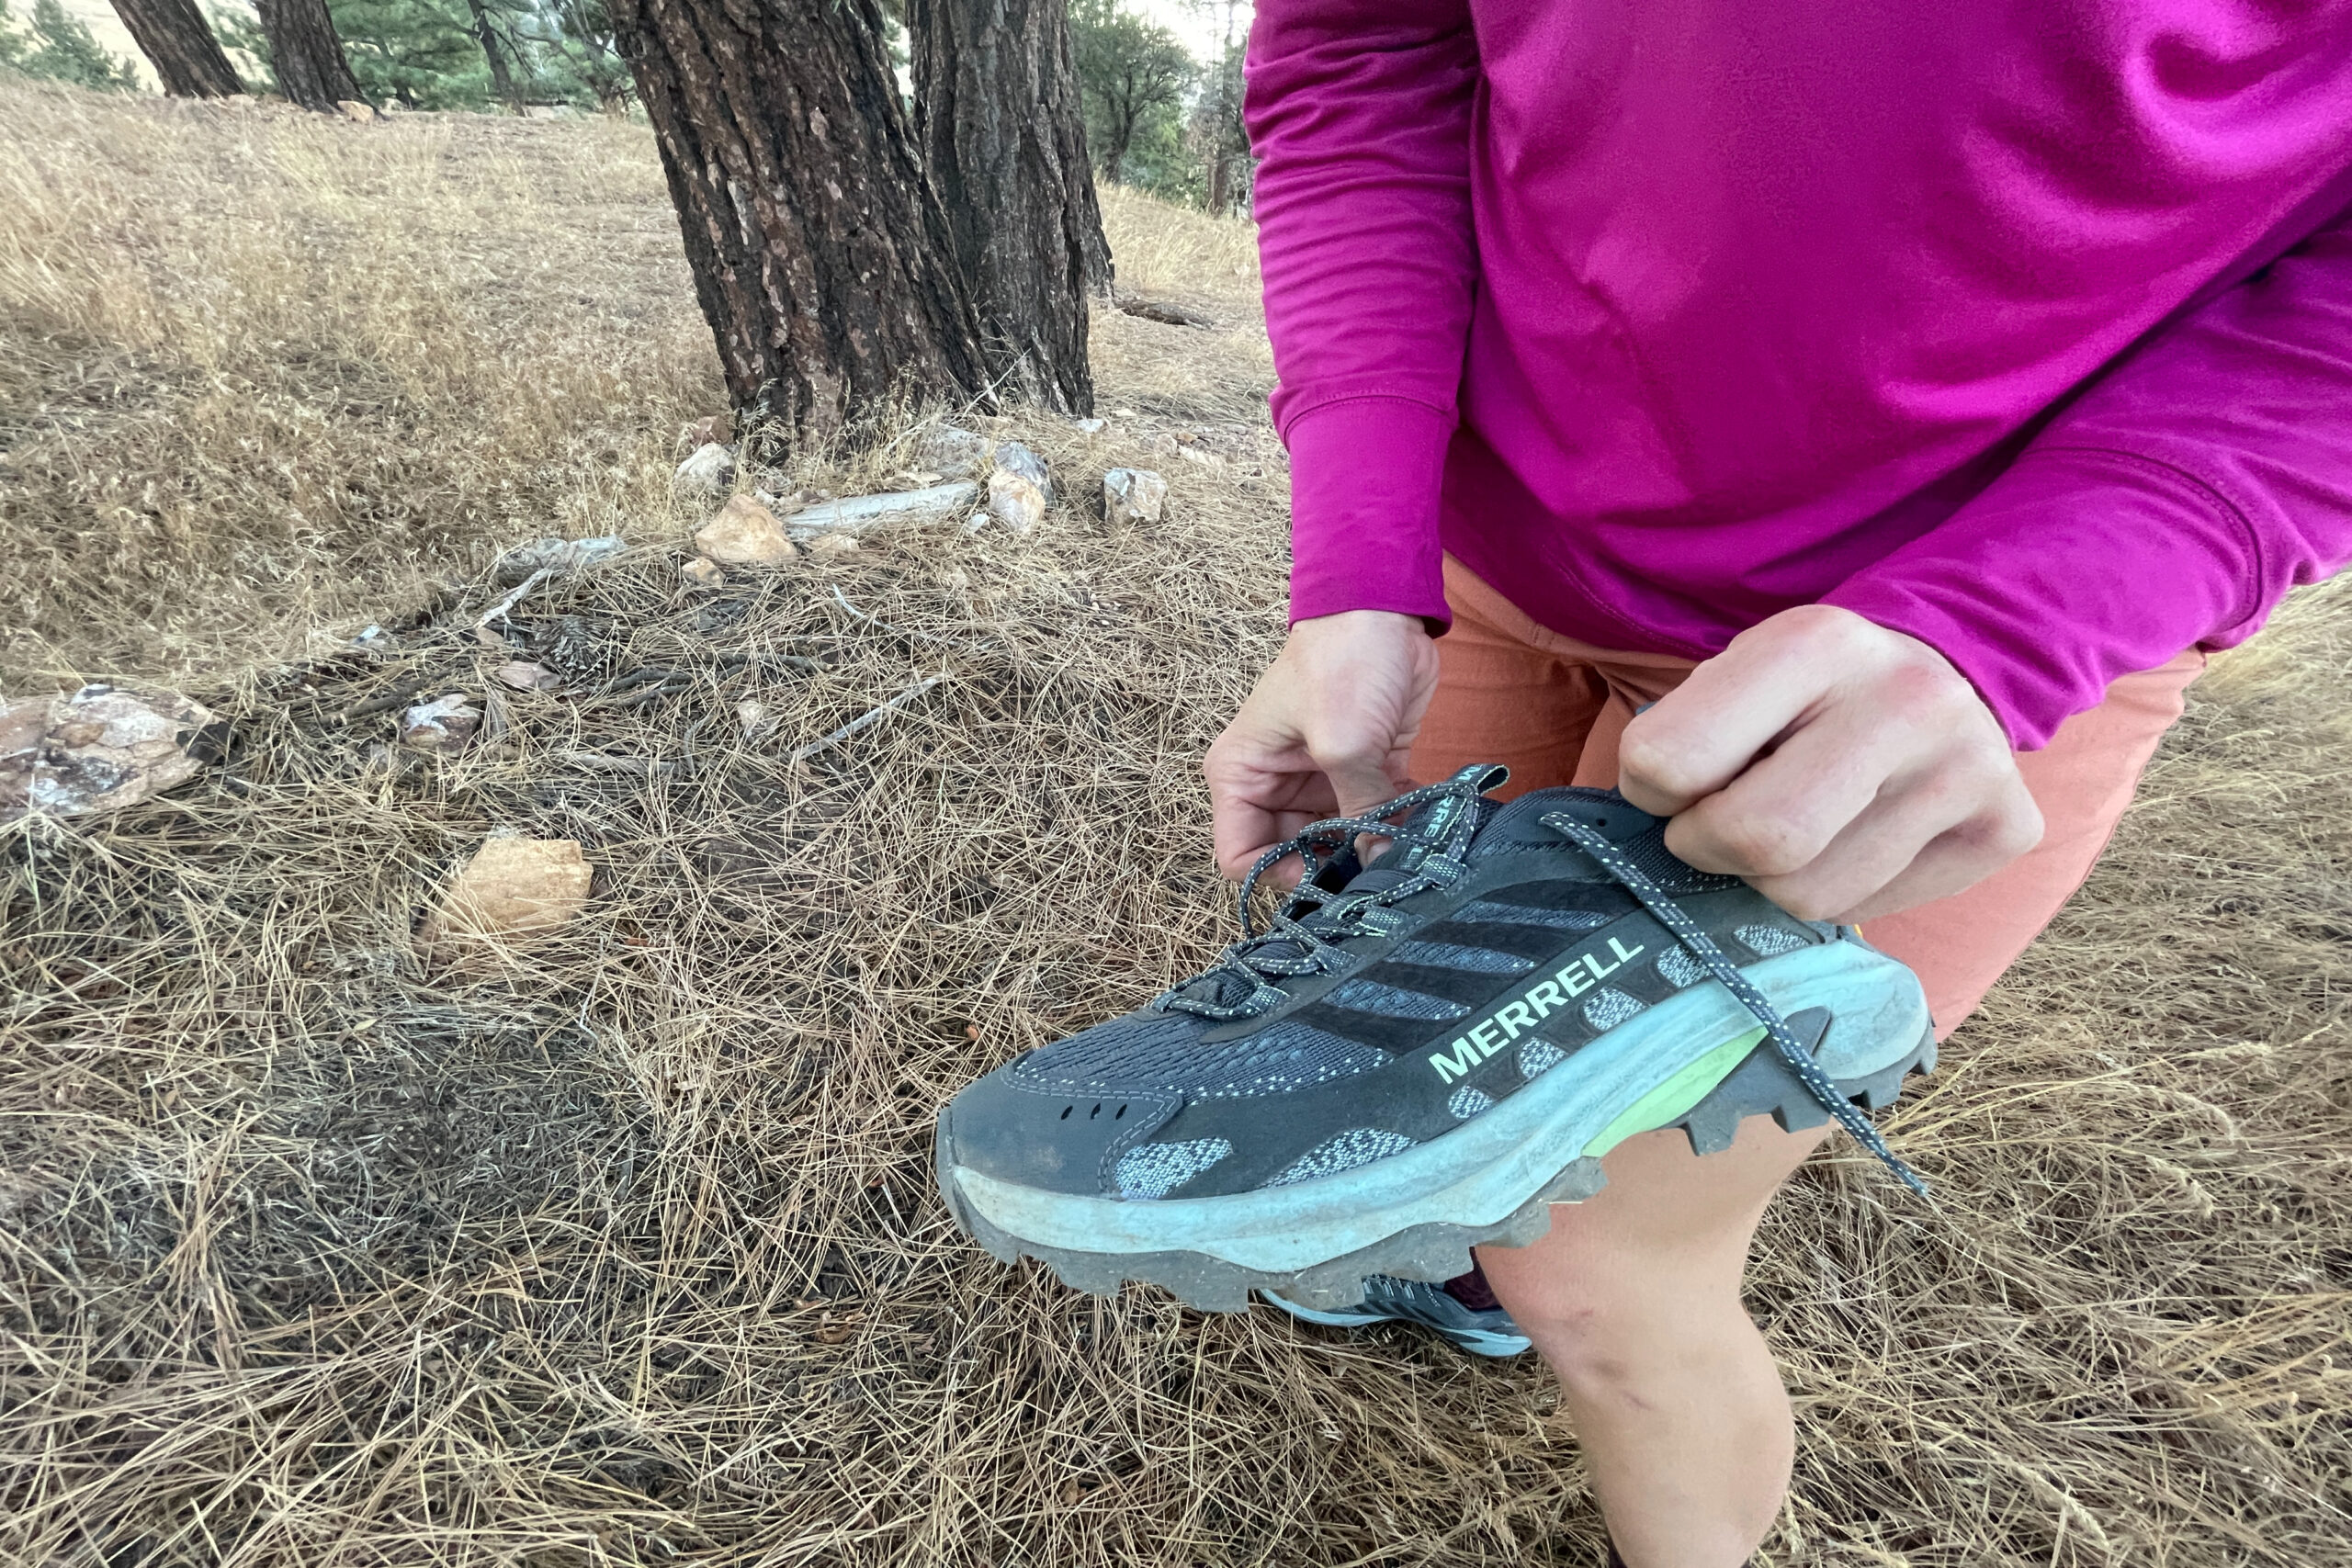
(1326, 733)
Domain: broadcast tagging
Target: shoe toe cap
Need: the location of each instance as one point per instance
(1045, 1137)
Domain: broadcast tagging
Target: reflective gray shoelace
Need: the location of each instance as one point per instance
(1291, 946)
(1702, 947)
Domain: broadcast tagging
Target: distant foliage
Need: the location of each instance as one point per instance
(59, 48)
(1134, 75)
(430, 54)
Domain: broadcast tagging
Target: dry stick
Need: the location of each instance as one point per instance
(498, 610)
(871, 716)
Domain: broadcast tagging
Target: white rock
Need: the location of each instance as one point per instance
(703, 572)
(745, 533)
(1133, 495)
(859, 512)
(752, 713)
(1088, 426)
(560, 556)
(99, 749)
(445, 723)
(1018, 488)
(709, 472)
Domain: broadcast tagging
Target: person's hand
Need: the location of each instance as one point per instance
(1325, 734)
(1845, 770)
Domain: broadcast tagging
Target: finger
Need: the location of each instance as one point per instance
(1791, 804)
(1361, 777)
(1250, 814)
(1952, 863)
(1697, 739)
(1914, 844)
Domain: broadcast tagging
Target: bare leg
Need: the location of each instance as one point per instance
(1634, 1300)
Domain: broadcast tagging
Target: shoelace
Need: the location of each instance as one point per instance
(1702, 947)
(1289, 946)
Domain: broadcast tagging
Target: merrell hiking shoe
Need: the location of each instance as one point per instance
(1425, 1054)
(1482, 1331)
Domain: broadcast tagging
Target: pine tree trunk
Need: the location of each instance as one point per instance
(501, 81)
(307, 55)
(1003, 139)
(179, 44)
(821, 257)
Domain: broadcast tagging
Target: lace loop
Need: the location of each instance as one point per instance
(1289, 947)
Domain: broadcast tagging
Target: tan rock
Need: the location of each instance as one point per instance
(353, 109)
(99, 749)
(745, 533)
(523, 676)
(711, 430)
(1133, 495)
(512, 889)
(703, 572)
(1018, 488)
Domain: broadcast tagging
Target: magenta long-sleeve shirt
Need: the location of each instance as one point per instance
(2021, 326)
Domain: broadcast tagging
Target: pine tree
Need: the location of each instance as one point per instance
(179, 44)
(61, 48)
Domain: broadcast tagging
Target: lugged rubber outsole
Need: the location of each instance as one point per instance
(1759, 1086)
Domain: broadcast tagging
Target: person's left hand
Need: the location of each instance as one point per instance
(1845, 770)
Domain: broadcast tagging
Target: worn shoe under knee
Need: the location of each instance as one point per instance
(1424, 1054)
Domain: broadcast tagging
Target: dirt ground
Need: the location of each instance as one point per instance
(314, 1254)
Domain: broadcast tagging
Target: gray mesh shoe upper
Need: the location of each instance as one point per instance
(1357, 1026)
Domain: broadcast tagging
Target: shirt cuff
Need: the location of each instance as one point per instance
(2076, 567)
(1364, 477)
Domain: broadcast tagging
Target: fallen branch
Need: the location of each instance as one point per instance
(871, 717)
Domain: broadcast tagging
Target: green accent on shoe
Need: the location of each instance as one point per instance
(1677, 1095)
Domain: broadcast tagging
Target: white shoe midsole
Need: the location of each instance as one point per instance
(1483, 1171)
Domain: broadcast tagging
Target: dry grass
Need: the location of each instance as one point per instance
(315, 1257)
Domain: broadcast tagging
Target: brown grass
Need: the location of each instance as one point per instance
(309, 1255)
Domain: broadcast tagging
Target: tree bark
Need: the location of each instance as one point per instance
(178, 43)
(501, 81)
(1004, 137)
(307, 55)
(821, 257)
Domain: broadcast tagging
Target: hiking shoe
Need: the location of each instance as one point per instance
(1481, 1332)
(1425, 1054)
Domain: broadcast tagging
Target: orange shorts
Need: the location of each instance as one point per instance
(1551, 709)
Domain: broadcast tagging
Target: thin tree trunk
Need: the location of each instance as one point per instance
(307, 55)
(501, 81)
(1004, 142)
(821, 257)
(178, 43)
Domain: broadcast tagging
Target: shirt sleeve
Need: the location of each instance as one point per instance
(2173, 503)
(1359, 112)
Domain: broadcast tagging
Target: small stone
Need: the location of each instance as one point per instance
(443, 725)
(1018, 488)
(752, 713)
(511, 887)
(562, 556)
(353, 109)
(710, 430)
(1088, 426)
(523, 676)
(745, 533)
(375, 639)
(1133, 495)
(707, 473)
(99, 749)
(833, 545)
(703, 572)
